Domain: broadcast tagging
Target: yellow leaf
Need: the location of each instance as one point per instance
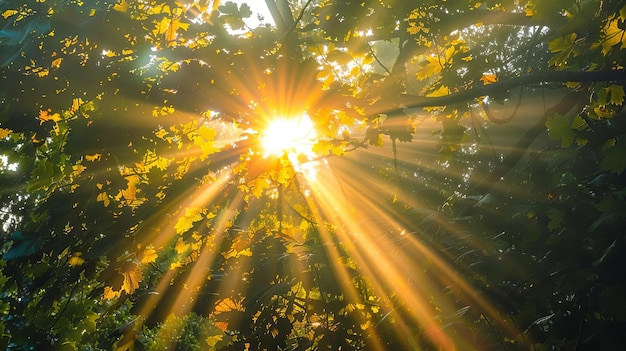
(56, 63)
(161, 27)
(181, 246)
(429, 67)
(173, 27)
(216, 4)
(213, 340)
(76, 104)
(442, 91)
(258, 186)
(8, 13)
(45, 116)
(413, 29)
(170, 34)
(93, 158)
(612, 36)
(185, 222)
(4, 132)
(109, 293)
(149, 255)
(449, 52)
(235, 253)
(130, 193)
(77, 170)
(161, 133)
(104, 198)
(227, 305)
(76, 260)
(489, 78)
(121, 7)
(132, 277)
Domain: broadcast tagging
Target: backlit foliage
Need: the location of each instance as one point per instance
(462, 184)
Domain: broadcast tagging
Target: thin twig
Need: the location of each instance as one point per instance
(377, 59)
(295, 23)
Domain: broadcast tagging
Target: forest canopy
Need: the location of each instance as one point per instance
(340, 175)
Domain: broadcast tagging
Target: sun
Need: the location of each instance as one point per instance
(289, 136)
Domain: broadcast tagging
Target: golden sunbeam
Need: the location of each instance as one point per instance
(399, 265)
(378, 256)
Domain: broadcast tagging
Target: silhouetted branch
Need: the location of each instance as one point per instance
(412, 101)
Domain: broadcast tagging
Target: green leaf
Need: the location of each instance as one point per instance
(617, 94)
(559, 127)
(339, 56)
(563, 48)
(233, 16)
(24, 244)
(614, 160)
(556, 219)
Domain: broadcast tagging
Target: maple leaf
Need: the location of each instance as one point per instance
(259, 185)
(429, 67)
(181, 246)
(174, 25)
(132, 277)
(563, 48)
(227, 305)
(184, 223)
(149, 255)
(559, 127)
(556, 219)
(162, 26)
(617, 94)
(614, 159)
(109, 293)
(45, 116)
(612, 36)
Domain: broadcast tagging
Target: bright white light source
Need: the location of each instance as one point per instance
(291, 136)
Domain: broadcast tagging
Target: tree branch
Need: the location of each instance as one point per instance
(276, 15)
(412, 101)
(297, 20)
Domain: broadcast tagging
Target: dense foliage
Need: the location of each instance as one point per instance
(465, 188)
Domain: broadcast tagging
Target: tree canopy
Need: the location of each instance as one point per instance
(345, 175)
